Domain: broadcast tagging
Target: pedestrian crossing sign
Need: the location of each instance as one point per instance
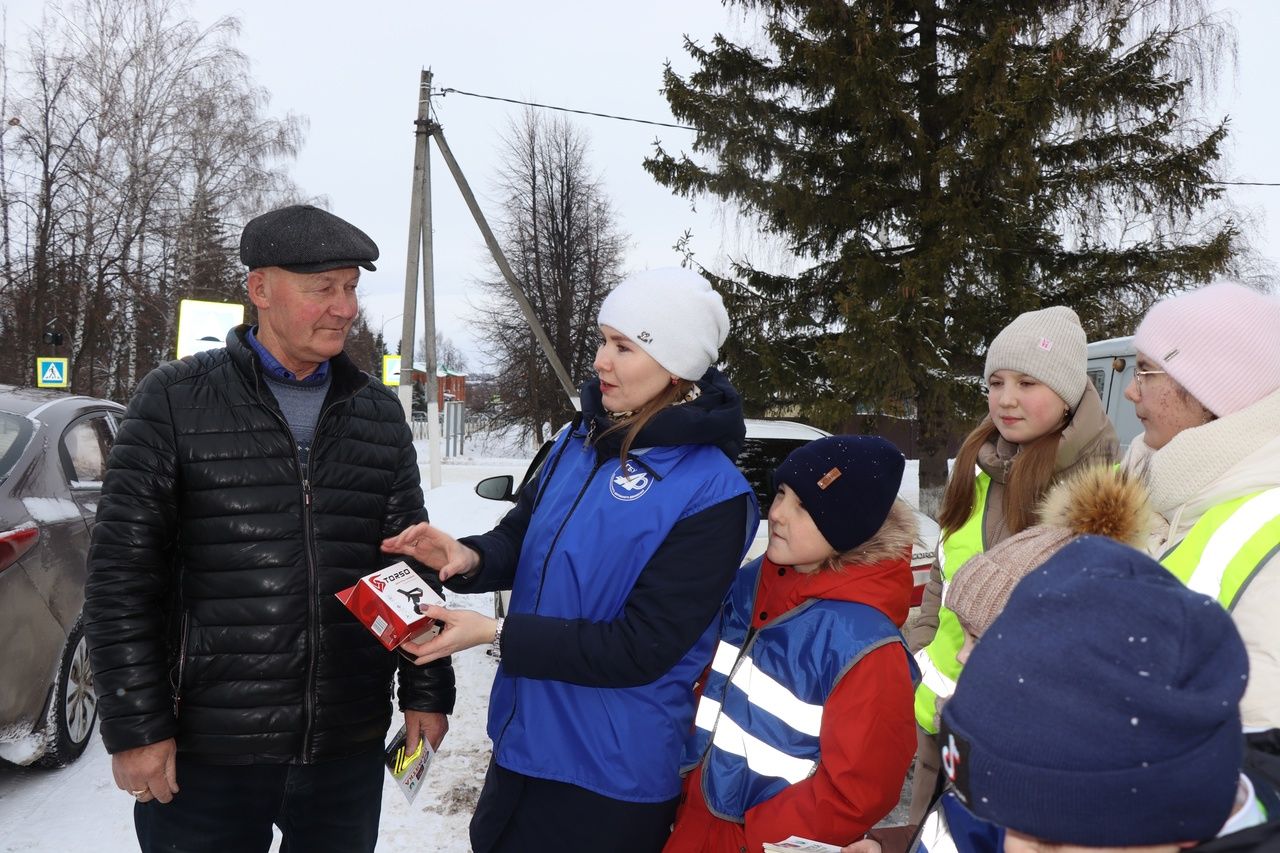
(51, 373)
(391, 370)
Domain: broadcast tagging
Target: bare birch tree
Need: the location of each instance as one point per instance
(560, 232)
(142, 144)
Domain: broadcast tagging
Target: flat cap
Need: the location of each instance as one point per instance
(305, 239)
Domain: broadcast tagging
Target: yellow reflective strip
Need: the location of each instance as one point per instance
(932, 677)
(760, 756)
(1228, 540)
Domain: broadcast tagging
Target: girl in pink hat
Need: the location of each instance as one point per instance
(1207, 391)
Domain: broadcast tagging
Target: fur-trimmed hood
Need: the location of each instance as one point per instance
(1102, 501)
(877, 573)
(1098, 500)
(899, 531)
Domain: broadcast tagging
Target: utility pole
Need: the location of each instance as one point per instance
(425, 125)
(410, 312)
(420, 247)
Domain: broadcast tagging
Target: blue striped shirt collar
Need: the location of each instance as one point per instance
(272, 367)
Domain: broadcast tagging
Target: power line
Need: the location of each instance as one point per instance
(450, 91)
(564, 109)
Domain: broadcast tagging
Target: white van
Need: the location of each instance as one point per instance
(1111, 366)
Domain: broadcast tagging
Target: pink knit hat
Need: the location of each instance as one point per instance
(1221, 343)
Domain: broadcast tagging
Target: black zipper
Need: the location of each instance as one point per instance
(182, 662)
(308, 547)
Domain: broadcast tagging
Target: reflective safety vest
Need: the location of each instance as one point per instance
(939, 668)
(1227, 546)
(758, 722)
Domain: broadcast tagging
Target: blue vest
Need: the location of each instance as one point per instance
(759, 719)
(949, 827)
(593, 529)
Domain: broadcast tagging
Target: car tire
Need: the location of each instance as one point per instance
(73, 707)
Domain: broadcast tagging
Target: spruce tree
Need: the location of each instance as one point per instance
(938, 168)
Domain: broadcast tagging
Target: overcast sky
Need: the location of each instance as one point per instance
(352, 70)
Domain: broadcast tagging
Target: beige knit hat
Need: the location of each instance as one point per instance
(1049, 345)
(985, 581)
(1097, 500)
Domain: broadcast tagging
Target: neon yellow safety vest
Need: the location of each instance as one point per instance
(937, 661)
(1227, 546)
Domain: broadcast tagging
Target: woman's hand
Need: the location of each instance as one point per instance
(432, 547)
(462, 629)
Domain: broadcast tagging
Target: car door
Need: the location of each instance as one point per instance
(82, 463)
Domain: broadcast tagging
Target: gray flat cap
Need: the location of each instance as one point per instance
(305, 239)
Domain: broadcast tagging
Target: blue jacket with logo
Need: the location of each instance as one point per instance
(617, 573)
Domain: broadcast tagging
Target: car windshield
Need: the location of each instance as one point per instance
(758, 459)
(15, 432)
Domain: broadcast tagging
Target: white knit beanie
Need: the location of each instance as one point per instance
(1048, 345)
(673, 315)
(1221, 343)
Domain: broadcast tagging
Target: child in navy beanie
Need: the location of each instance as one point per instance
(1100, 709)
(805, 724)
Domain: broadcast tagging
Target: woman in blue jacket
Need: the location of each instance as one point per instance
(618, 557)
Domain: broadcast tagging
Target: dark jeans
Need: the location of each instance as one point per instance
(521, 814)
(333, 806)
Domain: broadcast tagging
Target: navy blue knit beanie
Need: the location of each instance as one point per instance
(847, 483)
(1101, 707)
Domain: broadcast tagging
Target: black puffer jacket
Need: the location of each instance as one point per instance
(210, 608)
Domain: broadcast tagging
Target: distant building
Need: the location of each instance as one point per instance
(450, 384)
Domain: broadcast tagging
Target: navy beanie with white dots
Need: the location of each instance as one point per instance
(1101, 708)
(847, 483)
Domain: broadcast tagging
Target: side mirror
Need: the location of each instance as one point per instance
(497, 488)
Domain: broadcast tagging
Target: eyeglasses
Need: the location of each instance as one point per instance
(1139, 375)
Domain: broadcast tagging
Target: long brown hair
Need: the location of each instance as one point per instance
(670, 395)
(1029, 478)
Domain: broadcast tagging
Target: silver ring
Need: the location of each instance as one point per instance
(138, 793)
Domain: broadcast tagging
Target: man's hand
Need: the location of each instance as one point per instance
(433, 547)
(148, 772)
(424, 724)
(461, 629)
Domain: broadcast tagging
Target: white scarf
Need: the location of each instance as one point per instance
(1204, 466)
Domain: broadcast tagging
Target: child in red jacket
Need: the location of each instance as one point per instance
(805, 722)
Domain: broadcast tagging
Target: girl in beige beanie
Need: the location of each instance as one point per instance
(1044, 420)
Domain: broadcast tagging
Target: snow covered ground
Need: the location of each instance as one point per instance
(79, 807)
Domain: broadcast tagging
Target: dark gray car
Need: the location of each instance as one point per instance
(53, 455)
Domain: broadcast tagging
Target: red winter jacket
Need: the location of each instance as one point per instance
(868, 734)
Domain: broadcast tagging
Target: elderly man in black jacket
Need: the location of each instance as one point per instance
(247, 485)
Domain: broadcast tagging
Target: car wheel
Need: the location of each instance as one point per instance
(73, 707)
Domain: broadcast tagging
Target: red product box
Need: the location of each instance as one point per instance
(389, 602)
